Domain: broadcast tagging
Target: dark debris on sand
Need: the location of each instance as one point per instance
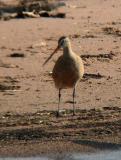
(99, 56)
(45, 125)
(16, 55)
(8, 84)
(112, 31)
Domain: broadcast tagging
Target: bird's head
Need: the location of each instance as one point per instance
(62, 43)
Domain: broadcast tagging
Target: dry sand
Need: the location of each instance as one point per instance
(26, 88)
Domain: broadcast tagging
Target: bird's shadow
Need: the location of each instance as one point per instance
(99, 145)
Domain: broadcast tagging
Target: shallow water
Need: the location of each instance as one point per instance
(115, 155)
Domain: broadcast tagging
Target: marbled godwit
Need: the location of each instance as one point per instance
(68, 69)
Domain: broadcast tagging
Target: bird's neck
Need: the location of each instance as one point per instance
(67, 50)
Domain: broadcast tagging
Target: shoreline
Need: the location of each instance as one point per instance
(42, 133)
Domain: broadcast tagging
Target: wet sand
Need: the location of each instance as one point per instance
(28, 120)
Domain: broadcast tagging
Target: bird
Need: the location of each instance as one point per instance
(68, 69)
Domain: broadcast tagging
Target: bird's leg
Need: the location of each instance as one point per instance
(59, 98)
(74, 90)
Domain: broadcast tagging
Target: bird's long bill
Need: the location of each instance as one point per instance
(51, 55)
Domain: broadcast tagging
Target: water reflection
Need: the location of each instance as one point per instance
(115, 155)
(99, 145)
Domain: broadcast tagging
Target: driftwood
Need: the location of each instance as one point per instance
(31, 9)
(30, 14)
(52, 14)
(19, 15)
(26, 14)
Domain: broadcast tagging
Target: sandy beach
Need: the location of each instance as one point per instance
(28, 97)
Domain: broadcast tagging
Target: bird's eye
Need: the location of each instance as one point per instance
(61, 43)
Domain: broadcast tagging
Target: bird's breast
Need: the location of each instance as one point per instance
(66, 72)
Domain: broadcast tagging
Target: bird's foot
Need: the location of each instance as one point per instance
(57, 114)
(74, 113)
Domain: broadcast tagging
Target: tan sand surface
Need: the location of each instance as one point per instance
(26, 87)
